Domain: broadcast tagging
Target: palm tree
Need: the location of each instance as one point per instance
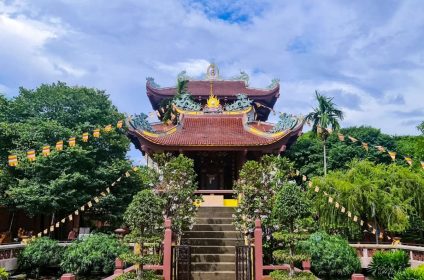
(325, 119)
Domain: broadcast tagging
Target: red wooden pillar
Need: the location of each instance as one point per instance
(167, 251)
(119, 266)
(358, 277)
(67, 276)
(258, 250)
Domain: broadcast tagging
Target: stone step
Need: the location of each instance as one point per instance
(214, 215)
(213, 250)
(211, 220)
(214, 227)
(211, 234)
(213, 258)
(213, 266)
(216, 210)
(213, 275)
(212, 241)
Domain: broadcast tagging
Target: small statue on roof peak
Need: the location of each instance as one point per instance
(212, 73)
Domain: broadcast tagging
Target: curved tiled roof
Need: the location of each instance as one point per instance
(216, 131)
(220, 88)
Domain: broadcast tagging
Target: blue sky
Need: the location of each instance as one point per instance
(369, 55)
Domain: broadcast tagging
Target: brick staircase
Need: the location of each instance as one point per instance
(213, 240)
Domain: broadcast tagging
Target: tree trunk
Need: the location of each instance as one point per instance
(11, 221)
(325, 158)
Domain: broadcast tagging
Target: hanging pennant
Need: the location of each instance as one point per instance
(337, 205)
(46, 151)
(39, 234)
(355, 218)
(319, 129)
(127, 174)
(76, 212)
(135, 168)
(353, 139)
(343, 210)
(72, 142)
(82, 208)
(96, 133)
(329, 130)
(108, 189)
(119, 124)
(422, 164)
(45, 231)
(373, 231)
(381, 235)
(13, 160)
(57, 224)
(297, 172)
(31, 155)
(304, 178)
(369, 225)
(85, 137)
(362, 222)
(365, 145)
(392, 155)
(310, 184)
(89, 204)
(316, 189)
(341, 137)
(330, 200)
(70, 217)
(380, 149)
(119, 179)
(408, 160)
(63, 221)
(113, 184)
(349, 214)
(51, 228)
(59, 145)
(103, 194)
(108, 128)
(325, 193)
(96, 199)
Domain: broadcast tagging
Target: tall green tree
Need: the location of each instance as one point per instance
(325, 116)
(65, 180)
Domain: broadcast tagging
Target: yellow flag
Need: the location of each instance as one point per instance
(96, 199)
(341, 137)
(352, 139)
(355, 218)
(103, 194)
(108, 128)
(297, 172)
(329, 130)
(46, 151)
(330, 199)
(59, 145)
(343, 210)
(392, 155)
(365, 145)
(380, 148)
(72, 142)
(85, 137)
(31, 155)
(119, 124)
(13, 160)
(96, 133)
(337, 205)
(135, 168)
(127, 174)
(349, 214)
(408, 160)
(310, 184)
(316, 189)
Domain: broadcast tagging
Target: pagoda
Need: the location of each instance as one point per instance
(219, 123)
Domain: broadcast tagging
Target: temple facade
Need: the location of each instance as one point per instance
(218, 123)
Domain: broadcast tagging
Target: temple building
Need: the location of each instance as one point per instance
(219, 123)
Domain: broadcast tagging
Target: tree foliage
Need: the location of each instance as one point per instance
(384, 265)
(379, 194)
(65, 180)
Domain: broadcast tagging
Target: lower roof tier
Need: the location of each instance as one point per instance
(214, 132)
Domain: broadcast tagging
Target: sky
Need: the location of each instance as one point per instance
(368, 55)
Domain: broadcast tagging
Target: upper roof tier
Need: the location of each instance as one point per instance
(225, 90)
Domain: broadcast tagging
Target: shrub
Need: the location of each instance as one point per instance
(147, 275)
(284, 275)
(97, 254)
(411, 274)
(385, 265)
(39, 254)
(4, 275)
(331, 256)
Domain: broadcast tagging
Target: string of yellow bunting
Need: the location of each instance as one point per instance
(85, 206)
(366, 146)
(340, 207)
(31, 155)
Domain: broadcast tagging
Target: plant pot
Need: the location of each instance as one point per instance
(306, 265)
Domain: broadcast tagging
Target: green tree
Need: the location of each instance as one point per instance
(379, 194)
(176, 186)
(324, 117)
(291, 205)
(421, 127)
(67, 179)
